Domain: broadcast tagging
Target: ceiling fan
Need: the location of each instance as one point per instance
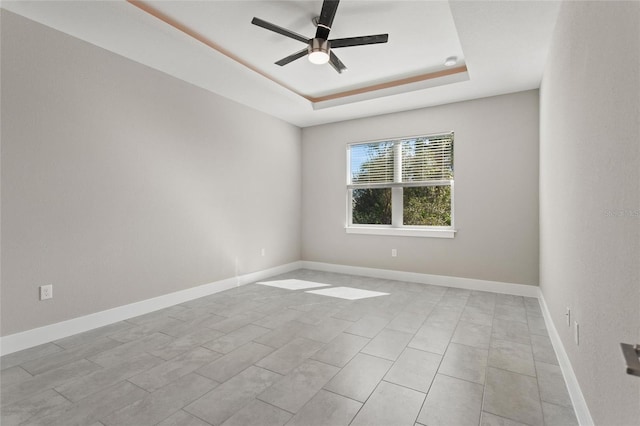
(320, 48)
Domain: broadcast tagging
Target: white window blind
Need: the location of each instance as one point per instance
(371, 163)
(427, 159)
(420, 161)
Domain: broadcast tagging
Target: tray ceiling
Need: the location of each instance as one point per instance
(500, 46)
(226, 26)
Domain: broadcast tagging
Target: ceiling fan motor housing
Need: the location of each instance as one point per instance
(318, 50)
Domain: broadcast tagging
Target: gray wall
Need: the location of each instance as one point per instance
(590, 197)
(496, 192)
(120, 183)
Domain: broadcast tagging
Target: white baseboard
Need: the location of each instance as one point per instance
(577, 398)
(37, 336)
(440, 280)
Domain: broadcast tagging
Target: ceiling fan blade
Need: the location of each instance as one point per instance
(292, 57)
(359, 41)
(276, 29)
(329, 8)
(336, 63)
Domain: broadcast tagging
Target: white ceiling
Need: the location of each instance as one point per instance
(503, 44)
(406, 54)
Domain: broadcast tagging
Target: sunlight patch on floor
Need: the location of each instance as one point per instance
(347, 293)
(293, 284)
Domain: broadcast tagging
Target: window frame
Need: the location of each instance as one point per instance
(397, 227)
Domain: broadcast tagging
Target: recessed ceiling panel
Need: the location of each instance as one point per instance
(421, 36)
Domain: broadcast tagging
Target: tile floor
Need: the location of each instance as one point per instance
(263, 355)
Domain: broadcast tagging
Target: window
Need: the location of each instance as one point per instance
(401, 187)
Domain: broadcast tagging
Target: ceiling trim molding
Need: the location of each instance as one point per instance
(147, 8)
(390, 84)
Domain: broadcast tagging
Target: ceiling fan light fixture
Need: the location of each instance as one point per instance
(450, 61)
(318, 51)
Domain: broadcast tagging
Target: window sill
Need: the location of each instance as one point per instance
(402, 232)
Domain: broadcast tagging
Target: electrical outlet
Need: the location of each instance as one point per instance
(394, 253)
(568, 316)
(576, 332)
(263, 252)
(46, 292)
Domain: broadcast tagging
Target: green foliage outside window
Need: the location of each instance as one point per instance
(427, 206)
(372, 206)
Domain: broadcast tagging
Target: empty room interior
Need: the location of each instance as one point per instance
(320, 213)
